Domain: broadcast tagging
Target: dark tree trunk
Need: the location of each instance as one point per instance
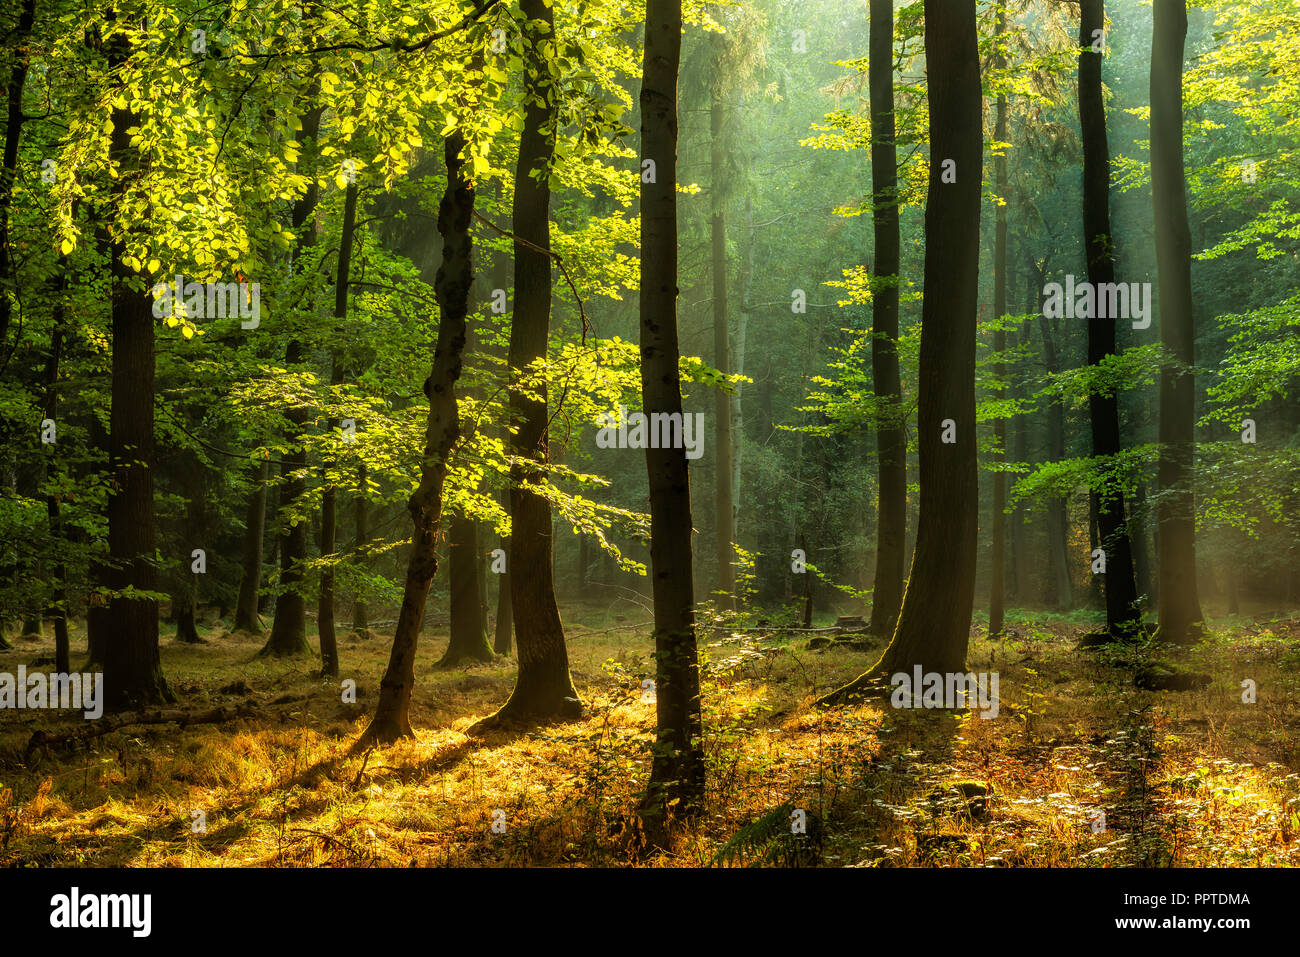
(58, 610)
(891, 438)
(289, 626)
(468, 636)
(1020, 563)
(722, 500)
(543, 688)
(392, 718)
(13, 133)
(1141, 554)
(997, 561)
(185, 593)
(676, 785)
(250, 580)
(1058, 521)
(1180, 606)
(329, 645)
(361, 519)
(132, 669)
(934, 624)
(1112, 524)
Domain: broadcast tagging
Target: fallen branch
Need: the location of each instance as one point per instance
(179, 716)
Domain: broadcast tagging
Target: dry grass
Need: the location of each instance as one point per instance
(1184, 779)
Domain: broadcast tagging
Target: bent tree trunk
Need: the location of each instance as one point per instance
(543, 688)
(676, 784)
(891, 440)
(934, 624)
(1180, 605)
(392, 718)
(1112, 525)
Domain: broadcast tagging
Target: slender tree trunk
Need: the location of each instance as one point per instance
(250, 580)
(289, 626)
(392, 718)
(361, 520)
(738, 361)
(723, 505)
(185, 593)
(329, 645)
(934, 625)
(132, 669)
(58, 610)
(1141, 554)
(468, 636)
(543, 688)
(1058, 521)
(676, 785)
(997, 565)
(1112, 525)
(891, 438)
(1180, 606)
(13, 134)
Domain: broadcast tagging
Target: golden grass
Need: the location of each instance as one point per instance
(1185, 779)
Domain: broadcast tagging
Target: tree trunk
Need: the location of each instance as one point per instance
(934, 624)
(468, 637)
(891, 437)
(543, 688)
(361, 520)
(1112, 524)
(1180, 606)
(723, 504)
(676, 785)
(250, 580)
(132, 669)
(289, 626)
(58, 610)
(1058, 519)
(329, 645)
(392, 718)
(997, 561)
(13, 132)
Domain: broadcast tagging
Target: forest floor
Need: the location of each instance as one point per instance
(1193, 778)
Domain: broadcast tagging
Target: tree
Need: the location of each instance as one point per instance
(934, 624)
(289, 626)
(676, 782)
(724, 518)
(392, 718)
(998, 558)
(891, 439)
(543, 688)
(1103, 403)
(132, 669)
(1180, 607)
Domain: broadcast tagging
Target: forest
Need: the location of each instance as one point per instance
(674, 434)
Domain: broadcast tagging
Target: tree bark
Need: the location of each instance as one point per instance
(1112, 525)
(676, 785)
(289, 626)
(329, 645)
(997, 561)
(250, 580)
(1181, 621)
(468, 637)
(1058, 521)
(934, 625)
(361, 521)
(392, 718)
(132, 669)
(891, 438)
(543, 688)
(723, 504)
(13, 134)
